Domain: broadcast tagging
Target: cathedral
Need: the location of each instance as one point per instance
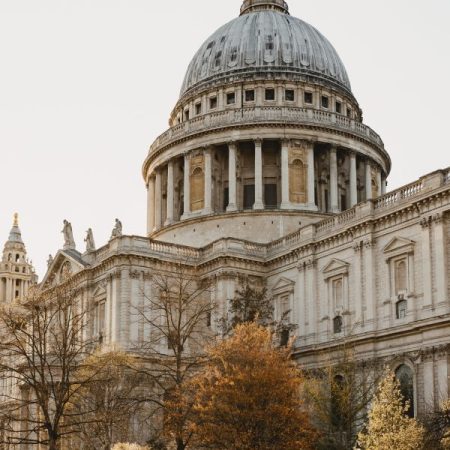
(268, 173)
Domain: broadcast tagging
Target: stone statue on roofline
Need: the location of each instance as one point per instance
(69, 241)
(90, 243)
(117, 230)
(49, 261)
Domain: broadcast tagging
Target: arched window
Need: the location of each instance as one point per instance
(401, 309)
(297, 182)
(401, 284)
(405, 376)
(337, 325)
(197, 189)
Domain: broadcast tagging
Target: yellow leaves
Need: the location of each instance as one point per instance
(389, 427)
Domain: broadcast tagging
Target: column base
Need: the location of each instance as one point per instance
(286, 206)
(185, 216)
(168, 222)
(231, 208)
(258, 206)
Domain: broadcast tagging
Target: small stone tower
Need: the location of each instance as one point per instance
(16, 273)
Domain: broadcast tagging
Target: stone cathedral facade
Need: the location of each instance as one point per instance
(269, 173)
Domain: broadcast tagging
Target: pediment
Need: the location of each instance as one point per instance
(65, 264)
(99, 291)
(283, 285)
(398, 245)
(335, 267)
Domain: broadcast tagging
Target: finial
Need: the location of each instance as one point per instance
(259, 5)
(16, 220)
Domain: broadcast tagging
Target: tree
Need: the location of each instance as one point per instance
(109, 403)
(179, 317)
(248, 396)
(437, 425)
(339, 395)
(388, 426)
(126, 446)
(42, 345)
(251, 304)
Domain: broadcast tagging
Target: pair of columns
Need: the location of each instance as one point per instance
(381, 184)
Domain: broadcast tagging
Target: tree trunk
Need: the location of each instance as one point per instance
(180, 444)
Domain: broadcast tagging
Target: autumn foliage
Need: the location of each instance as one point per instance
(248, 396)
(389, 427)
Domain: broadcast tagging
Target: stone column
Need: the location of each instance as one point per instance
(353, 180)
(311, 178)
(379, 182)
(334, 181)
(441, 260)
(259, 204)
(311, 298)
(187, 186)
(232, 180)
(158, 200)
(426, 263)
(383, 184)
(285, 201)
(370, 284)
(357, 284)
(368, 181)
(208, 181)
(170, 193)
(151, 205)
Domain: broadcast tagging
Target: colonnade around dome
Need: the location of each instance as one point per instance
(269, 174)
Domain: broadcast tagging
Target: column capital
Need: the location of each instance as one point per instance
(285, 142)
(333, 148)
(258, 141)
(232, 144)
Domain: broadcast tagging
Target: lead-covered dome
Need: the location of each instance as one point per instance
(265, 38)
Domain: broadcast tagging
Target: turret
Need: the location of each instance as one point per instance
(16, 272)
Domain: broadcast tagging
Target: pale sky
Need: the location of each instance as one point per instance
(87, 85)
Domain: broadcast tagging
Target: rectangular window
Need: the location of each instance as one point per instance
(213, 102)
(198, 109)
(249, 196)
(289, 95)
(270, 95)
(186, 115)
(338, 107)
(325, 102)
(250, 95)
(231, 98)
(308, 98)
(270, 196)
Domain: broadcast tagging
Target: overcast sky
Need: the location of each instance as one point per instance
(87, 85)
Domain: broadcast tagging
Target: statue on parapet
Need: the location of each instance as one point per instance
(90, 243)
(69, 241)
(49, 261)
(117, 230)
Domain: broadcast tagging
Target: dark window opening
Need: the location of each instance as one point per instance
(250, 95)
(234, 54)
(218, 59)
(208, 319)
(186, 115)
(337, 325)
(325, 102)
(284, 338)
(338, 107)
(249, 196)
(405, 377)
(327, 204)
(401, 309)
(289, 95)
(308, 97)
(270, 196)
(269, 43)
(349, 113)
(343, 202)
(226, 198)
(198, 109)
(17, 294)
(213, 102)
(231, 98)
(270, 94)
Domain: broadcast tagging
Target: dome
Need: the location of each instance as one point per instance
(265, 38)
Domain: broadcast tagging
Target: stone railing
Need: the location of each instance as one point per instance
(260, 252)
(273, 114)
